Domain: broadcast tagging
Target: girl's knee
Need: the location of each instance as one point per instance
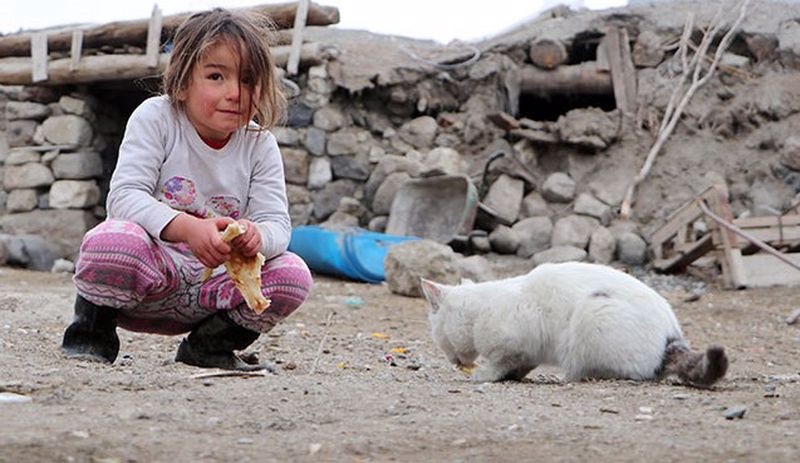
(287, 269)
(116, 236)
(118, 254)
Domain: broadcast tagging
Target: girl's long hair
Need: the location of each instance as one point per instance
(248, 36)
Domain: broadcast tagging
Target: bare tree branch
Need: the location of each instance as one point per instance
(682, 94)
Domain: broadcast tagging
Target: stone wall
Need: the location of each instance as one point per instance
(58, 149)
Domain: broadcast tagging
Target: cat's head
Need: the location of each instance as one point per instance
(448, 327)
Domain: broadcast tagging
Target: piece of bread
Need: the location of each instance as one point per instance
(244, 271)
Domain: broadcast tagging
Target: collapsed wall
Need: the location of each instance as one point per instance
(382, 111)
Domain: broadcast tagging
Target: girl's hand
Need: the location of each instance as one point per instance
(203, 238)
(249, 242)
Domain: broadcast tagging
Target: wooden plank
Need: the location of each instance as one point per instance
(623, 73)
(153, 37)
(684, 255)
(39, 57)
(770, 221)
(730, 256)
(681, 217)
(75, 50)
(763, 270)
(602, 55)
(628, 73)
(771, 236)
(297, 37)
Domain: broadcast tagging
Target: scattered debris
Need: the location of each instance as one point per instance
(12, 398)
(321, 343)
(228, 373)
(771, 391)
(706, 224)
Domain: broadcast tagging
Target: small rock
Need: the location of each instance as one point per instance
(643, 417)
(737, 411)
(792, 319)
(314, 448)
(63, 266)
(770, 391)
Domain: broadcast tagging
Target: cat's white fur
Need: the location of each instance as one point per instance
(591, 320)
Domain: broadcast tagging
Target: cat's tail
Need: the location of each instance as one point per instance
(695, 368)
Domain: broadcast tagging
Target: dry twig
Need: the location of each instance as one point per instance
(321, 343)
(685, 89)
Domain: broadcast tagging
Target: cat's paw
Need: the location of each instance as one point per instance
(486, 374)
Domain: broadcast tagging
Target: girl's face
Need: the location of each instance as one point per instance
(218, 100)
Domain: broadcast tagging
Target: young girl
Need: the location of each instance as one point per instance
(191, 162)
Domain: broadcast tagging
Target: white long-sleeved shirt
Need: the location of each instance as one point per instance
(165, 168)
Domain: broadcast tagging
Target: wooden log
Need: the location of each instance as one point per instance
(17, 71)
(135, 32)
(548, 53)
(581, 78)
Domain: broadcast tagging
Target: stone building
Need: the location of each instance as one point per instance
(571, 114)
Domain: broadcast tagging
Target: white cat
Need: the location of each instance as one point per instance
(591, 320)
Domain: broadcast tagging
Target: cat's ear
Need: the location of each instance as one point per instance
(433, 292)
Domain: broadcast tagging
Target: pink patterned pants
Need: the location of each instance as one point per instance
(157, 285)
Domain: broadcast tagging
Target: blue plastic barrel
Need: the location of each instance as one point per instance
(352, 253)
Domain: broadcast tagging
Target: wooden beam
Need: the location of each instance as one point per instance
(548, 53)
(17, 71)
(579, 79)
(135, 32)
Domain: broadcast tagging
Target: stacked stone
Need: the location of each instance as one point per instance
(346, 160)
(51, 167)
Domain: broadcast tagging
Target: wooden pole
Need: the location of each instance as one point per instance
(297, 37)
(154, 37)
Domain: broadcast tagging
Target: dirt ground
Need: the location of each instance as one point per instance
(342, 393)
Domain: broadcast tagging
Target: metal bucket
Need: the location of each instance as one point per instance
(440, 208)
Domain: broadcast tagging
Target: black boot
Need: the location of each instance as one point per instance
(212, 342)
(92, 334)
